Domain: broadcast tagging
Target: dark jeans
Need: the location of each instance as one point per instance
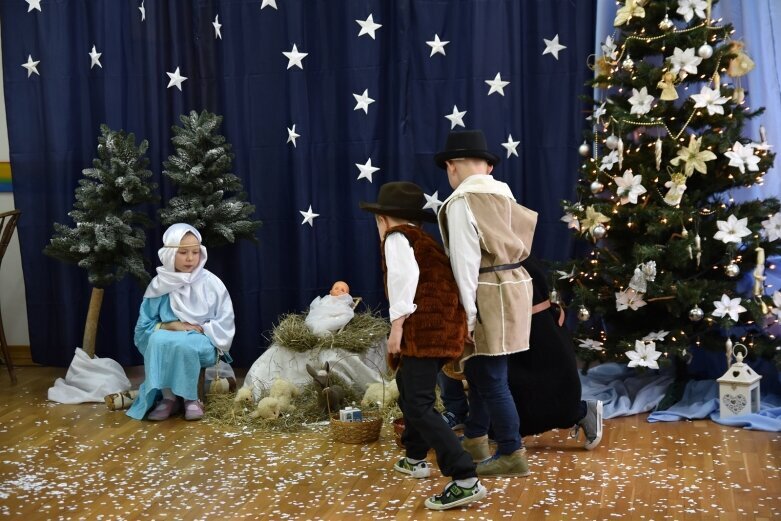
(423, 425)
(491, 404)
(453, 396)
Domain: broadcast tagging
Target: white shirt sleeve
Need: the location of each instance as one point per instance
(464, 255)
(403, 273)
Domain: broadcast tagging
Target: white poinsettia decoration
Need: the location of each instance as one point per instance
(644, 355)
(631, 9)
(727, 306)
(710, 100)
(629, 187)
(689, 8)
(571, 220)
(655, 336)
(694, 158)
(684, 61)
(743, 157)
(592, 218)
(777, 304)
(629, 299)
(772, 227)
(641, 101)
(676, 187)
(732, 230)
(588, 343)
(609, 161)
(609, 48)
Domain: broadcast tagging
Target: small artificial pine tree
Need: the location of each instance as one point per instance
(667, 239)
(200, 167)
(108, 237)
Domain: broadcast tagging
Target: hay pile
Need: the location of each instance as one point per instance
(364, 331)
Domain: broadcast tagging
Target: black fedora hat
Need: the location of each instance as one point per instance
(400, 199)
(465, 143)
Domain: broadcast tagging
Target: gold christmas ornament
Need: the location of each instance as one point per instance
(583, 314)
(628, 64)
(741, 64)
(667, 85)
(732, 270)
(666, 24)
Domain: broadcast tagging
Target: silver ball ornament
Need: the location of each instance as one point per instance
(666, 24)
(611, 142)
(732, 270)
(598, 231)
(628, 64)
(705, 51)
(554, 297)
(696, 314)
(583, 313)
(584, 149)
(596, 187)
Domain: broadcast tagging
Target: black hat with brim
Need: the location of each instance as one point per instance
(465, 143)
(402, 200)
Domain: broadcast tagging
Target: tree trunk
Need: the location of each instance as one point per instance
(91, 326)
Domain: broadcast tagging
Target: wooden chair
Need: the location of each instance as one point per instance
(7, 226)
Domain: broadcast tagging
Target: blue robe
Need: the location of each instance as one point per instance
(172, 359)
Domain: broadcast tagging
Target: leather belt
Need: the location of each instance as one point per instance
(500, 267)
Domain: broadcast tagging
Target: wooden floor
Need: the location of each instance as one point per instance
(86, 462)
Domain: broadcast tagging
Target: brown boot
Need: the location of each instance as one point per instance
(506, 465)
(477, 448)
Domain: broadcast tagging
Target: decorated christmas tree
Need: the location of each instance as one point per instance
(200, 168)
(108, 237)
(668, 244)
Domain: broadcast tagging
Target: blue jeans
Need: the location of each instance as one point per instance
(453, 396)
(491, 404)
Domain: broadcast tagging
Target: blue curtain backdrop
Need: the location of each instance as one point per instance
(53, 120)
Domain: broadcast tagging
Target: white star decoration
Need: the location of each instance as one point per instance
(644, 355)
(511, 146)
(271, 3)
(94, 57)
(366, 170)
(368, 26)
(363, 101)
(176, 79)
(292, 136)
(456, 118)
(437, 46)
(553, 47)
(217, 25)
(33, 4)
(497, 85)
(31, 66)
(309, 216)
(143, 11)
(294, 57)
(728, 307)
(432, 201)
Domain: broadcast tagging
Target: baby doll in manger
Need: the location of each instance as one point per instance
(331, 312)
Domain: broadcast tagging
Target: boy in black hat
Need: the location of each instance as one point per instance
(428, 327)
(487, 235)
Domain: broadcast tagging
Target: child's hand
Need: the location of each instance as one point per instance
(470, 338)
(394, 339)
(192, 327)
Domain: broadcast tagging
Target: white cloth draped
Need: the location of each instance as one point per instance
(89, 380)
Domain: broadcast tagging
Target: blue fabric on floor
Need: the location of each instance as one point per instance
(625, 391)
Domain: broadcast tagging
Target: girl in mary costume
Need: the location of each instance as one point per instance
(185, 323)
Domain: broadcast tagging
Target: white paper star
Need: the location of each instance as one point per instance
(710, 100)
(368, 26)
(456, 118)
(732, 230)
(309, 215)
(641, 101)
(743, 157)
(33, 4)
(294, 57)
(684, 61)
(553, 47)
(772, 227)
(727, 306)
(432, 201)
(143, 11)
(437, 46)
(511, 146)
(292, 136)
(94, 57)
(269, 3)
(217, 26)
(363, 101)
(655, 336)
(497, 85)
(31, 66)
(176, 79)
(565, 275)
(366, 170)
(644, 355)
(599, 112)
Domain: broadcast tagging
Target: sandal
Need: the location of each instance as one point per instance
(193, 410)
(164, 409)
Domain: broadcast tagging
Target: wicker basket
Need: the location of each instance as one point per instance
(364, 431)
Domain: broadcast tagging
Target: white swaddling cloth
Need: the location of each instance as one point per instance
(329, 313)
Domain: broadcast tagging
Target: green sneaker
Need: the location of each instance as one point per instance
(454, 496)
(505, 465)
(416, 470)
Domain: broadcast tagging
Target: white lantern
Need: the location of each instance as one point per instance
(739, 388)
